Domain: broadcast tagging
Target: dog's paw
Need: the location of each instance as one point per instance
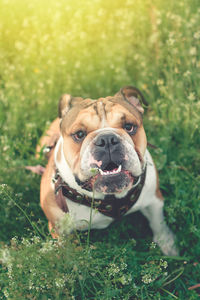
(36, 169)
(166, 242)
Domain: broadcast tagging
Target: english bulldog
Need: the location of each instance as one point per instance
(99, 168)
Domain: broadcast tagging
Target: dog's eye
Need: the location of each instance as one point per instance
(79, 135)
(130, 128)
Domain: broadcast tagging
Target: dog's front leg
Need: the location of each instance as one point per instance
(47, 198)
(162, 235)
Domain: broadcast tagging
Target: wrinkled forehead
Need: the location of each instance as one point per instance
(99, 111)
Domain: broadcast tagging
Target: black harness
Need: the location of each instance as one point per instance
(109, 206)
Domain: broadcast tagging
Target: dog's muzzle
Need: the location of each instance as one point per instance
(108, 157)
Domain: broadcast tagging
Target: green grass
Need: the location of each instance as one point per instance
(92, 49)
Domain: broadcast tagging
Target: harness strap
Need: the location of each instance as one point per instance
(109, 206)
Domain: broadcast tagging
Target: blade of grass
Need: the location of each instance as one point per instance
(35, 227)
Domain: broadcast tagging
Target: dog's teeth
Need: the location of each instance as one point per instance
(115, 171)
(119, 169)
(101, 172)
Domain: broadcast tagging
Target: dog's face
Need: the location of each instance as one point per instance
(104, 141)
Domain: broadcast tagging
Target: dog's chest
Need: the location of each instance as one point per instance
(83, 216)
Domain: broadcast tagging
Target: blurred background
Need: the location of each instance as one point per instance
(92, 49)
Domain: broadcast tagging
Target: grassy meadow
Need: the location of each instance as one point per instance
(92, 49)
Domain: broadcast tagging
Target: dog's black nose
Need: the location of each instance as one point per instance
(108, 149)
(107, 141)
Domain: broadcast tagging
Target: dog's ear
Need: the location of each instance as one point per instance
(134, 97)
(66, 103)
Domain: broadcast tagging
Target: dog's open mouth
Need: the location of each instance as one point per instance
(111, 179)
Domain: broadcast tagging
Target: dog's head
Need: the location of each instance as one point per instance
(103, 141)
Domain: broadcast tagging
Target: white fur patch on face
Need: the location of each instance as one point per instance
(67, 174)
(133, 162)
(62, 165)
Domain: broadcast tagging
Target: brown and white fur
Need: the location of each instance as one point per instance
(82, 131)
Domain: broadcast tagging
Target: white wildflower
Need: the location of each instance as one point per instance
(197, 35)
(187, 73)
(5, 256)
(123, 266)
(163, 263)
(60, 282)
(160, 82)
(26, 242)
(153, 245)
(191, 97)
(147, 279)
(47, 246)
(193, 51)
(30, 286)
(6, 293)
(125, 279)
(113, 269)
(176, 70)
(36, 239)
(170, 42)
